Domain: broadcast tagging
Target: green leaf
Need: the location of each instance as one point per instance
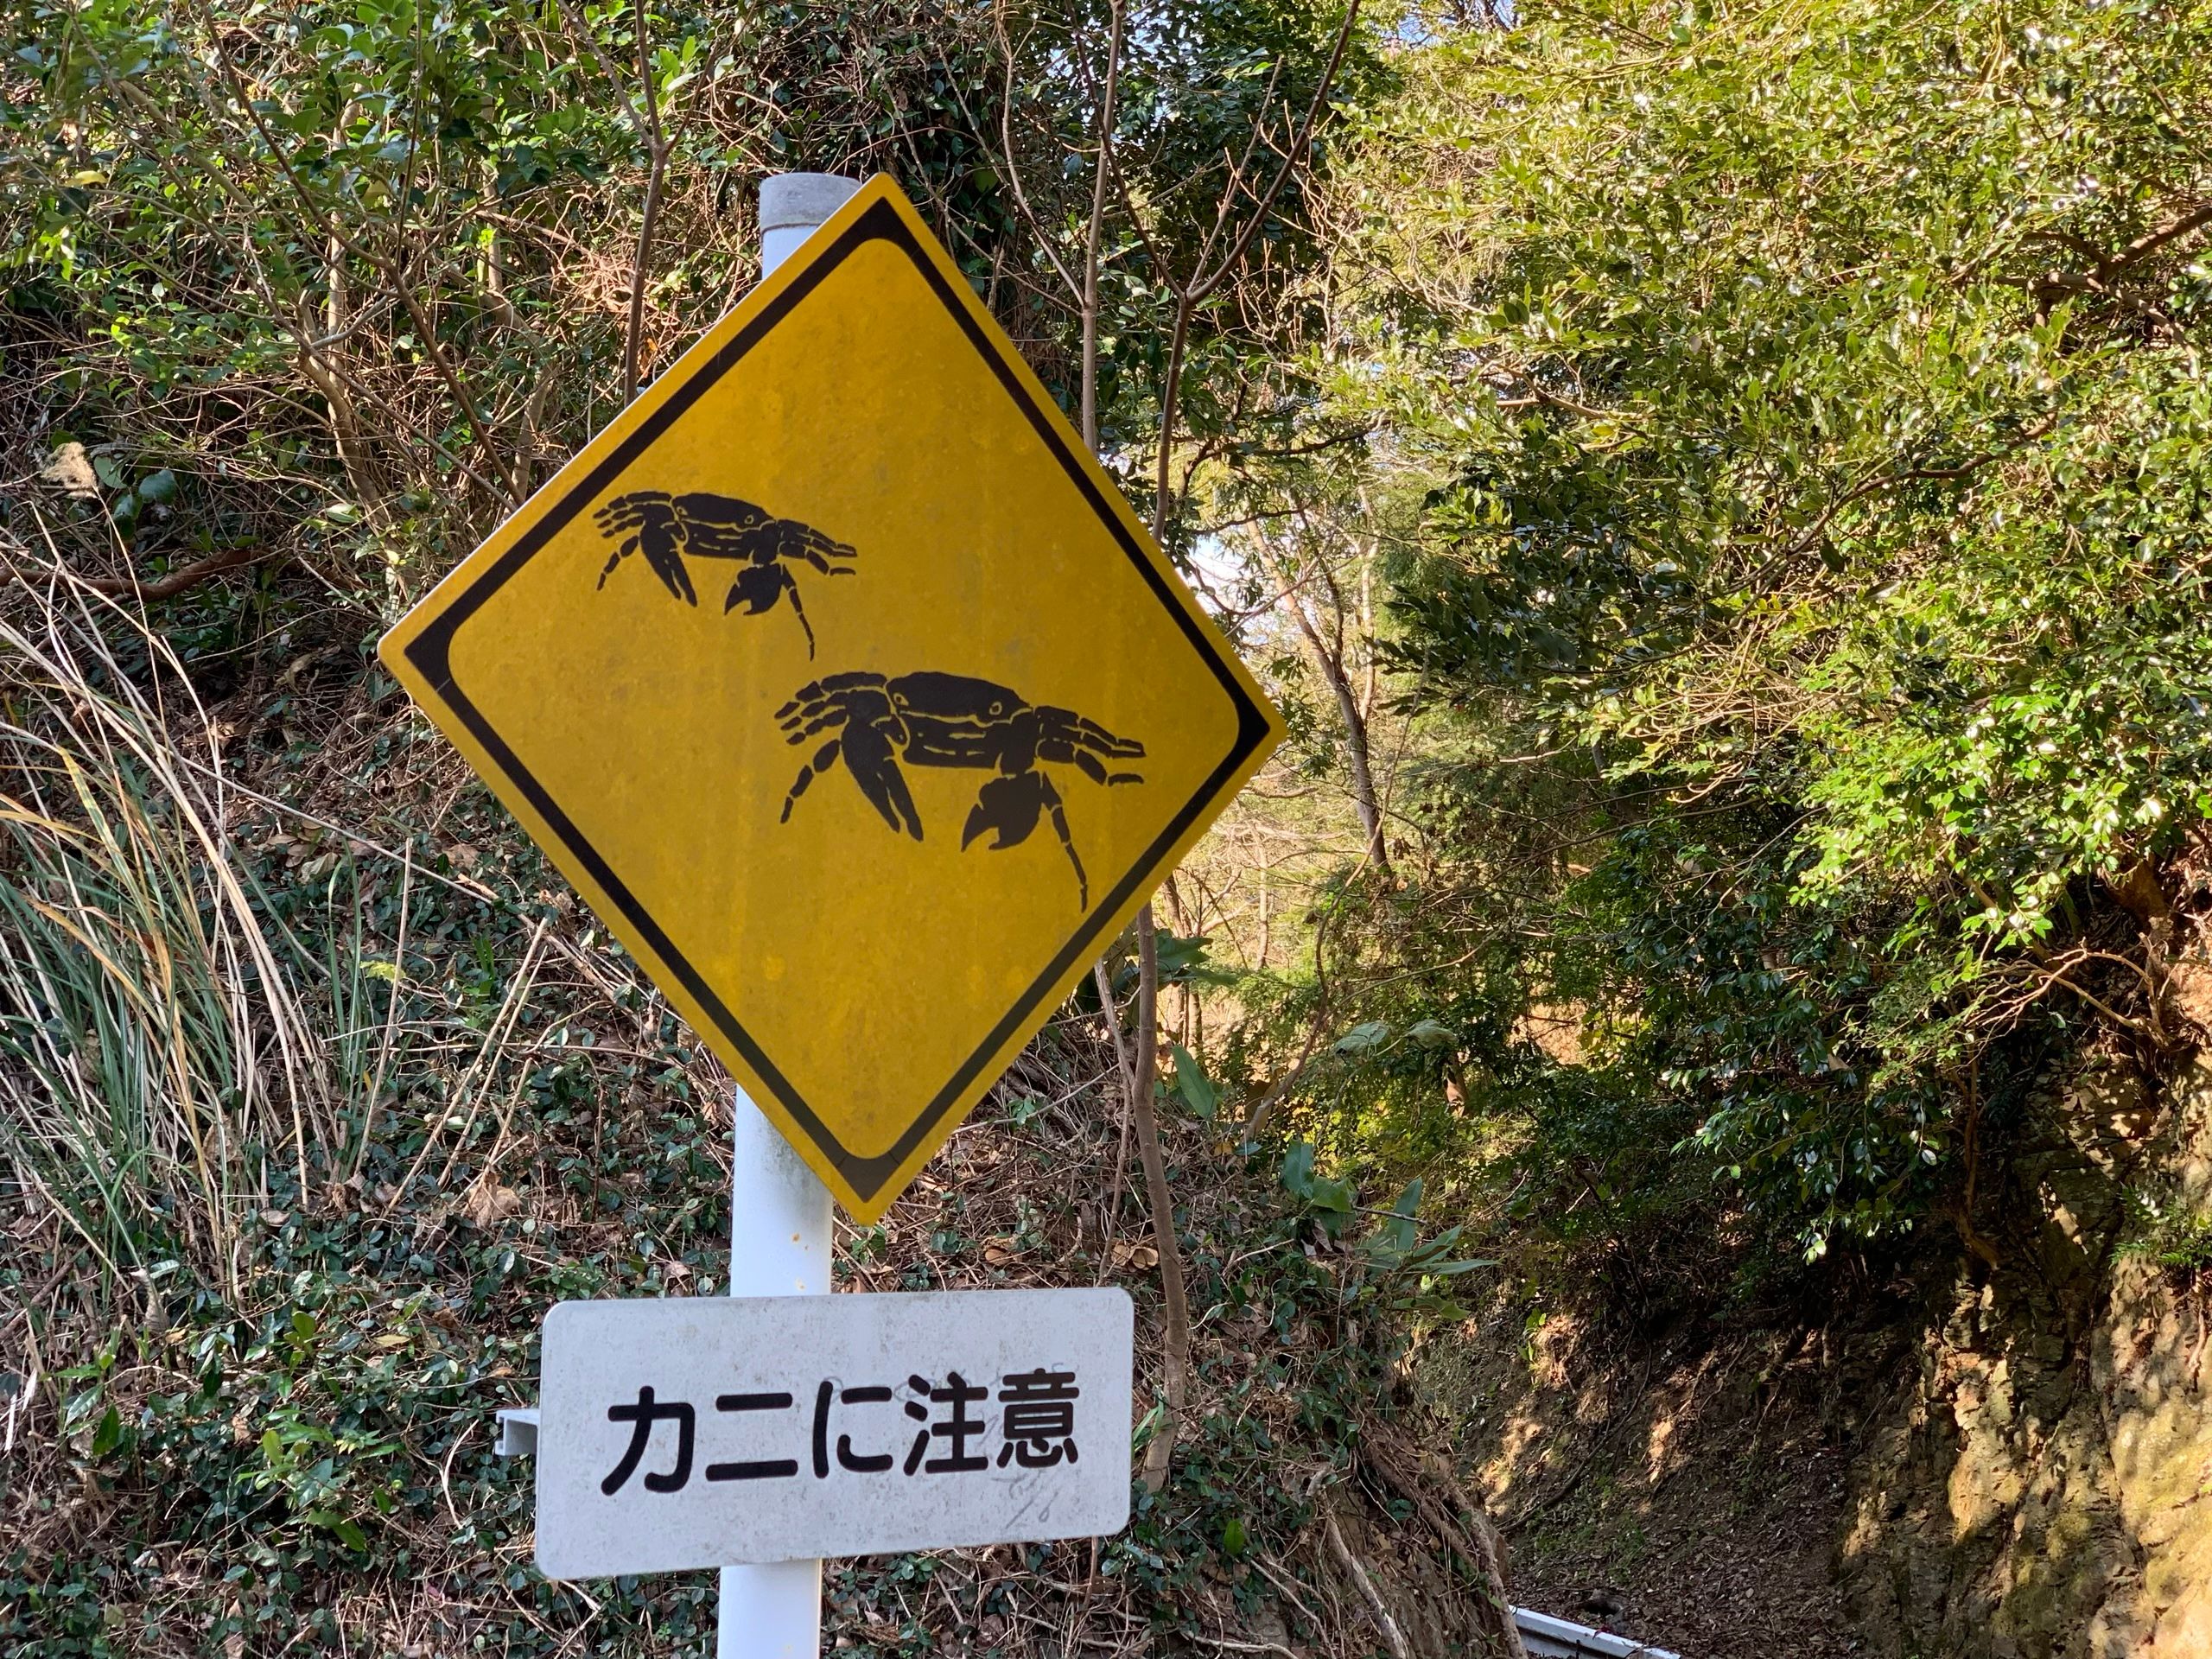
(1179, 957)
(1332, 1200)
(346, 1531)
(1397, 1231)
(1454, 1269)
(1335, 1196)
(1364, 1039)
(109, 1434)
(1430, 1033)
(1192, 1081)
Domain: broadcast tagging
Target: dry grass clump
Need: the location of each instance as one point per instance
(160, 1043)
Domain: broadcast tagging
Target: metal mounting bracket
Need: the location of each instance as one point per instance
(517, 1431)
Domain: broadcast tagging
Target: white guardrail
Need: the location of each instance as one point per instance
(1546, 1637)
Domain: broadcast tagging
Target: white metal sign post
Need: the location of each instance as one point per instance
(694, 1431)
(779, 1239)
(778, 1246)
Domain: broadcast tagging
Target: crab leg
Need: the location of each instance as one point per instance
(791, 592)
(818, 695)
(1052, 804)
(818, 550)
(807, 773)
(1088, 765)
(616, 557)
(667, 562)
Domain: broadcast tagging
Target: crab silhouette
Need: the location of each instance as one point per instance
(928, 719)
(667, 529)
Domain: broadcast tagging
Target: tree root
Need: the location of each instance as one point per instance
(1364, 1582)
(179, 579)
(177, 582)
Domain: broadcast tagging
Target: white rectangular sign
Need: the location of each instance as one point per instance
(715, 1431)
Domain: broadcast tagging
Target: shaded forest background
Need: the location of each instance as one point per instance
(1720, 493)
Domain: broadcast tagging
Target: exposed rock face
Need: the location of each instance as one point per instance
(2043, 1490)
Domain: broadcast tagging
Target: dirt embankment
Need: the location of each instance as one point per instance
(1998, 1461)
(1684, 1491)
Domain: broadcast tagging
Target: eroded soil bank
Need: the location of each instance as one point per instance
(2002, 1452)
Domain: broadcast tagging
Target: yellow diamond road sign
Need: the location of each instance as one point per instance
(848, 690)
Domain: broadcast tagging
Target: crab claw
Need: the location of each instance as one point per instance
(1010, 806)
(1007, 805)
(874, 766)
(757, 588)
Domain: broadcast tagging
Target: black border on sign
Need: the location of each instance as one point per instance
(431, 652)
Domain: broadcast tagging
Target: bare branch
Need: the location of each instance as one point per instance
(656, 168)
(1205, 284)
(1102, 169)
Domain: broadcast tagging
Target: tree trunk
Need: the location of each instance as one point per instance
(1365, 800)
(1176, 1307)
